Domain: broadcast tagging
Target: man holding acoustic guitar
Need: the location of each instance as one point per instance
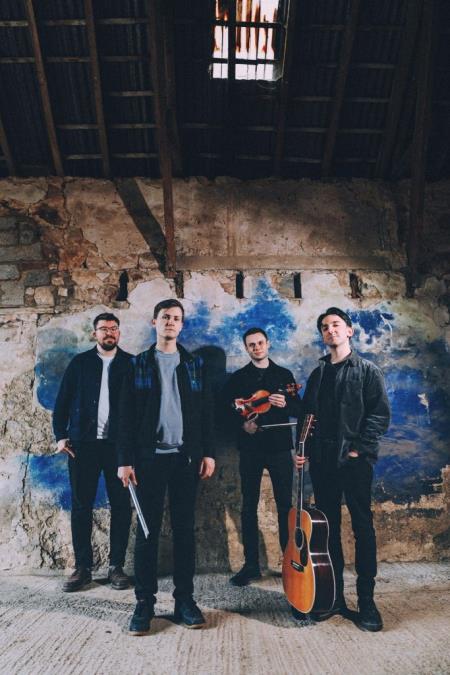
(262, 387)
(347, 396)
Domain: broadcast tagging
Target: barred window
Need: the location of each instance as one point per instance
(249, 39)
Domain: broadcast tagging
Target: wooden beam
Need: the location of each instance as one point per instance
(157, 65)
(168, 19)
(96, 84)
(419, 147)
(6, 150)
(43, 88)
(341, 80)
(284, 88)
(399, 88)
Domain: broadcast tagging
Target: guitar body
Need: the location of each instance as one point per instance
(308, 576)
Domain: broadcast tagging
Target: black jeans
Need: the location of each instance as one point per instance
(354, 481)
(179, 475)
(91, 458)
(251, 467)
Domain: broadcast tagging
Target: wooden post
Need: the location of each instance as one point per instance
(157, 65)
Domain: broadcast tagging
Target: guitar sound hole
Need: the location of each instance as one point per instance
(299, 538)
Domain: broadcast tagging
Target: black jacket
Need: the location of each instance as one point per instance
(364, 412)
(76, 407)
(243, 384)
(140, 403)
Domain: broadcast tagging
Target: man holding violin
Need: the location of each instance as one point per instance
(262, 393)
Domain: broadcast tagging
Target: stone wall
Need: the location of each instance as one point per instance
(68, 247)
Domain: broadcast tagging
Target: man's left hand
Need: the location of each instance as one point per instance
(278, 400)
(207, 467)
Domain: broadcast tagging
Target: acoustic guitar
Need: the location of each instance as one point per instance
(308, 576)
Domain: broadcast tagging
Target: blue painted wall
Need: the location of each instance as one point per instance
(413, 451)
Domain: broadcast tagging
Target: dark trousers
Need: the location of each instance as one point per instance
(177, 474)
(354, 482)
(91, 458)
(251, 467)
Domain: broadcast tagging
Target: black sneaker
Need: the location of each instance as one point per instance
(368, 617)
(245, 575)
(140, 621)
(187, 613)
(118, 578)
(339, 607)
(77, 580)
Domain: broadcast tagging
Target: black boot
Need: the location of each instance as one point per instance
(368, 617)
(77, 580)
(339, 607)
(188, 614)
(140, 621)
(118, 578)
(245, 575)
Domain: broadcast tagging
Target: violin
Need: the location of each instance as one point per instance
(259, 402)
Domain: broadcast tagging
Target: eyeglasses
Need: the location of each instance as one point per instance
(105, 330)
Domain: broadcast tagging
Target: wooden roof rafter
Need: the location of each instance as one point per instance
(43, 88)
(97, 87)
(399, 88)
(419, 145)
(284, 88)
(341, 80)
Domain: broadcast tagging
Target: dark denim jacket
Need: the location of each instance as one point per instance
(364, 413)
(140, 403)
(76, 407)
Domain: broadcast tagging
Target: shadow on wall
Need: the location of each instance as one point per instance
(413, 452)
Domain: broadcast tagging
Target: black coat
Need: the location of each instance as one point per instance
(243, 384)
(76, 407)
(364, 412)
(140, 404)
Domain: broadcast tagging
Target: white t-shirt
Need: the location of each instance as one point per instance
(103, 400)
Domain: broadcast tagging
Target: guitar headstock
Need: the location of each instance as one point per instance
(307, 428)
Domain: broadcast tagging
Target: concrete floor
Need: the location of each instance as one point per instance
(250, 631)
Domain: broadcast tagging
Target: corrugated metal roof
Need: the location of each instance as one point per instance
(224, 127)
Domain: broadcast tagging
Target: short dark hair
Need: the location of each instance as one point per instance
(338, 312)
(252, 331)
(106, 316)
(167, 304)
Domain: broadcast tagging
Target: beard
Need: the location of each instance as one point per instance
(108, 346)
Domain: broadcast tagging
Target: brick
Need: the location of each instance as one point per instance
(7, 223)
(9, 272)
(43, 295)
(27, 235)
(8, 238)
(13, 253)
(37, 278)
(11, 294)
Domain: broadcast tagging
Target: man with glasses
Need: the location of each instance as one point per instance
(85, 427)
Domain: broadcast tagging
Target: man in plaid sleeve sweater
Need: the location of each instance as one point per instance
(164, 443)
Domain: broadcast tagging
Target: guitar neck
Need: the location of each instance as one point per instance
(300, 453)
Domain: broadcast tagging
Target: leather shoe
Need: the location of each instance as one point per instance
(368, 617)
(118, 578)
(80, 578)
(339, 607)
(140, 621)
(245, 576)
(188, 614)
